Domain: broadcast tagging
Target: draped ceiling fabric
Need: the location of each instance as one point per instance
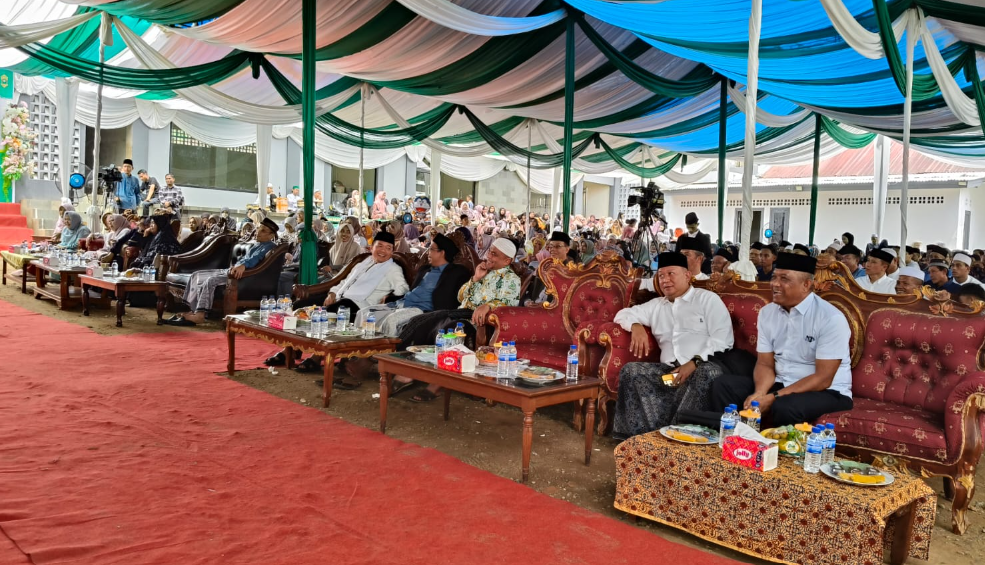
(470, 78)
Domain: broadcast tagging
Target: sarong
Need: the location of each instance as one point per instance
(646, 404)
(200, 290)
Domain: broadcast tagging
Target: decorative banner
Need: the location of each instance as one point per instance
(6, 84)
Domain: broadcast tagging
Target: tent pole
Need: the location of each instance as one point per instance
(435, 185)
(309, 249)
(363, 91)
(526, 228)
(722, 170)
(817, 164)
(749, 149)
(569, 109)
(907, 116)
(105, 31)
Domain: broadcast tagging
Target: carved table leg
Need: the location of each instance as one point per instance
(85, 300)
(64, 288)
(386, 381)
(579, 419)
(289, 357)
(903, 533)
(162, 298)
(327, 384)
(231, 362)
(447, 392)
(589, 428)
(121, 305)
(528, 441)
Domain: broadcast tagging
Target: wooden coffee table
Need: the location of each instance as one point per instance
(527, 399)
(67, 294)
(18, 262)
(329, 346)
(121, 286)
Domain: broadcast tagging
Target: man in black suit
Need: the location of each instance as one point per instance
(703, 239)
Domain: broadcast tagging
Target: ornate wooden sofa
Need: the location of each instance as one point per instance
(221, 252)
(315, 294)
(917, 376)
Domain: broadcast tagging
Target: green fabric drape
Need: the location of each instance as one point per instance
(380, 27)
(845, 139)
(695, 82)
(140, 79)
(500, 128)
(569, 117)
(537, 160)
(818, 126)
(722, 170)
(971, 75)
(170, 12)
(638, 170)
(309, 249)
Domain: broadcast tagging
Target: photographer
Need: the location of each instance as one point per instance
(148, 187)
(127, 189)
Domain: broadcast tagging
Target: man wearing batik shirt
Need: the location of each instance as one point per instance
(170, 195)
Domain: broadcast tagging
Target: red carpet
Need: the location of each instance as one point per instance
(13, 226)
(162, 461)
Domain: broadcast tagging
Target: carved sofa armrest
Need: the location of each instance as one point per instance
(255, 282)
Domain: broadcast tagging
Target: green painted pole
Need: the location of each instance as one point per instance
(569, 110)
(817, 164)
(309, 248)
(722, 170)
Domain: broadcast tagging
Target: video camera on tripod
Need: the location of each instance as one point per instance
(651, 202)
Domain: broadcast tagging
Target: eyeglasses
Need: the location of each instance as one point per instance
(556, 246)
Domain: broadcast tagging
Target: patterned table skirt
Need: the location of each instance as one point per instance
(783, 515)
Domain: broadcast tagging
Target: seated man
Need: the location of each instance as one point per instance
(200, 289)
(803, 369)
(876, 279)
(558, 247)
(722, 260)
(368, 283)
(493, 284)
(696, 250)
(910, 279)
(690, 325)
(939, 279)
(767, 257)
(851, 256)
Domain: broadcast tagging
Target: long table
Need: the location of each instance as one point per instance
(120, 286)
(527, 399)
(18, 262)
(331, 346)
(68, 294)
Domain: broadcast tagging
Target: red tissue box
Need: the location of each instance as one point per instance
(281, 321)
(458, 360)
(750, 453)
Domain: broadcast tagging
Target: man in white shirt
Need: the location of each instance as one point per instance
(690, 325)
(292, 200)
(875, 279)
(910, 279)
(368, 283)
(961, 269)
(803, 370)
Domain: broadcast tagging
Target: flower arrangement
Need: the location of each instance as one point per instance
(16, 144)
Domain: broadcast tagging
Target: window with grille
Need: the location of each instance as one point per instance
(45, 154)
(196, 163)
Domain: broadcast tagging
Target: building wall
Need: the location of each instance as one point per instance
(507, 189)
(596, 197)
(933, 214)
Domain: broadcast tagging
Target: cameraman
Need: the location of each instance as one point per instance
(127, 189)
(148, 187)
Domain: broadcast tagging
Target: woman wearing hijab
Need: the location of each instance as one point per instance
(587, 248)
(118, 228)
(400, 244)
(164, 242)
(290, 230)
(484, 242)
(61, 223)
(73, 232)
(412, 233)
(379, 207)
(345, 248)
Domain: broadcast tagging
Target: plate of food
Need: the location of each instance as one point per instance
(424, 353)
(304, 313)
(539, 375)
(253, 314)
(346, 333)
(486, 356)
(691, 434)
(858, 474)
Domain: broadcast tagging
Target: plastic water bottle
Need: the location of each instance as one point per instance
(153, 273)
(814, 452)
(342, 321)
(571, 368)
(755, 418)
(727, 426)
(830, 440)
(514, 365)
(460, 334)
(323, 323)
(369, 327)
(115, 270)
(289, 303)
(439, 341)
(264, 309)
(144, 273)
(503, 368)
(24, 247)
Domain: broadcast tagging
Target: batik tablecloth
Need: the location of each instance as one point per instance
(783, 515)
(17, 260)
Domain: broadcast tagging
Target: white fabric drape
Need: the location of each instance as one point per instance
(963, 107)
(762, 116)
(22, 34)
(472, 169)
(461, 19)
(749, 153)
(66, 93)
(865, 42)
(880, 182)
(265, 137)
(435, 189)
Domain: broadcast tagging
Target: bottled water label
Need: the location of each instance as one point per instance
(812, 455)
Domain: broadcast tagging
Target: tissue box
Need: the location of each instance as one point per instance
(750, 453)
(96, 272)
(458, 359)
(50, 260)
(281, 321)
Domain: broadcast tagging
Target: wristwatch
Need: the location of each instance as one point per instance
(697, 360)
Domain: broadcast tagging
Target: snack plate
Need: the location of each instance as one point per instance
(346, 333)
(550, 376)
(691, 429)
(854, 465)
(415, 349)
(253, 313)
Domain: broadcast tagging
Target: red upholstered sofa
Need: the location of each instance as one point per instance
(585, 296)
(917, 377)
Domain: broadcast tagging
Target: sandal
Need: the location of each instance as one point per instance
(399, 387)
(308, 366)
(278, 360)
(425, 396)
(349, 384)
